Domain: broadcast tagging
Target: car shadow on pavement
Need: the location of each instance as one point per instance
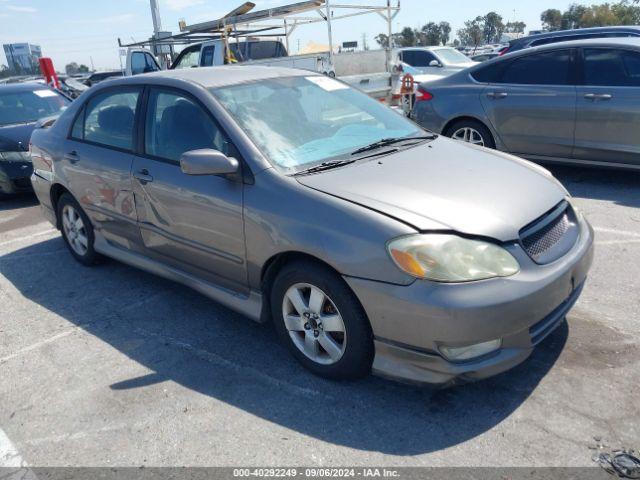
(618, 186)
(15, 202)
(186, 338)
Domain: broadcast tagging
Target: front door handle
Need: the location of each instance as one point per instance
(598, 96)
(143, 176)
(497, 95)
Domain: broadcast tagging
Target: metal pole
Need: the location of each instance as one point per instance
(157, 28)
(389, 35)
(330, 34)
(286, 35)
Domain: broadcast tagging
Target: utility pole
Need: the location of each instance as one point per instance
(157, 28)
(330, 34)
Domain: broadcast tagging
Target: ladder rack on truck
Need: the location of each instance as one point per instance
(232, 38)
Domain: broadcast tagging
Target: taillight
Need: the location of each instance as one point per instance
(503, 51)
(422, 95)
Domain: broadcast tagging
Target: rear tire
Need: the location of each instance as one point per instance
(77, 230)
(471, 131)
(326, 328)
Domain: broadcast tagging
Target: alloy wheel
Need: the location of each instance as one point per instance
(74, 230)
(469, 135)
(314, 323)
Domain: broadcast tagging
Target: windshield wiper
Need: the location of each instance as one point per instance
(390, 141)
(325, 166)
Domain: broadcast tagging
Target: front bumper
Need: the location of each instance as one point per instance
(14, 177)
(410, 322)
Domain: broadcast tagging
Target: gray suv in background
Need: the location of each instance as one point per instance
(569, 102)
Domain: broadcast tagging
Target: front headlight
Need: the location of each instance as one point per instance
(449, 258)
(15, 156)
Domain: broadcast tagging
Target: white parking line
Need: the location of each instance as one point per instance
(35, 346)
(617, 242)
(617, 232)
(28, 237)
(9, 455)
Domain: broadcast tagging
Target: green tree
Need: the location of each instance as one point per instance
(572, 17)
(382, 40)
(626, 13)
(407, 37)
(83, 69)
(492, 27)
(598, 16)
(445, 32)
(430, 34)
(472, 32)
(551, 20)
(515, 27)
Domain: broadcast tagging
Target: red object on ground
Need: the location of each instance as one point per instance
(49, 73)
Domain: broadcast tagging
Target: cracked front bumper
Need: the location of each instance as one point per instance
(410, 322)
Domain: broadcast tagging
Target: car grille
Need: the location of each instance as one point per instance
(539, 242)
(552, 235)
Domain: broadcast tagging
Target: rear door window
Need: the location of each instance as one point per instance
(611, 67)
(109, 118)
(547, 68)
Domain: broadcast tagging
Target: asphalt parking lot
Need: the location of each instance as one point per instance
(112, 366)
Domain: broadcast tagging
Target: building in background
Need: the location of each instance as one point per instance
(22, 58)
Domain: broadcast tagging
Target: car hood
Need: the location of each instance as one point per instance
(447, 185)
(15, 138)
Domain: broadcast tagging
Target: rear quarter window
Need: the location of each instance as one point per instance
(486, 74)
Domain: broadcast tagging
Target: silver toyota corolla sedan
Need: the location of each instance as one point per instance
(286, 195)
(568, 102)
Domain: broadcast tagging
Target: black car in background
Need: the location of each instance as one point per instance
(21, 106)
(568, 35)
(97, 77)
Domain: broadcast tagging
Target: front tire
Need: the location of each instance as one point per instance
(471, 131)
(321, 321)
(77, 230)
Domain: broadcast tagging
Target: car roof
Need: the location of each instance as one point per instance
(220, 76)
(577, 31)
(29, 86)
(588, 42)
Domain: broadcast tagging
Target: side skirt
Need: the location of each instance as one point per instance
(576, 161)
(250, 305)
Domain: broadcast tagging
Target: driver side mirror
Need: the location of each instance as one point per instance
(435, 63)
(207, 161)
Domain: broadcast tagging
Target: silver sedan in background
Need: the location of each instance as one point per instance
(287, 195)
(568, 102)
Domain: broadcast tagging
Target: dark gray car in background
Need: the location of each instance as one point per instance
(287, 195)
(570, 102)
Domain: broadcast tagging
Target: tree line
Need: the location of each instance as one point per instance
(490, 28)
(580, 16)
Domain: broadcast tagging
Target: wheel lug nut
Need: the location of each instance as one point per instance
(316, 333)
(307, 326)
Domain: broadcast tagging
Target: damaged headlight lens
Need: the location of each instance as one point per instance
(15, 156)
(449, 258)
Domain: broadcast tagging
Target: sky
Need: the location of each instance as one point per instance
(86, 31)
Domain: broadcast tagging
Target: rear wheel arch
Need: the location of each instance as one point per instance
(57, 190)
(447, 129)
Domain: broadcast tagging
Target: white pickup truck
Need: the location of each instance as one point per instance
(364, 70)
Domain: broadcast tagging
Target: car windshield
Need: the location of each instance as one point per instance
(29, 106)
(300, 121)
(451, 55)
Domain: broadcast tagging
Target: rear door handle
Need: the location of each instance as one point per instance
(598, 96)
(72, 156)
(143, 176)
(497, 95)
